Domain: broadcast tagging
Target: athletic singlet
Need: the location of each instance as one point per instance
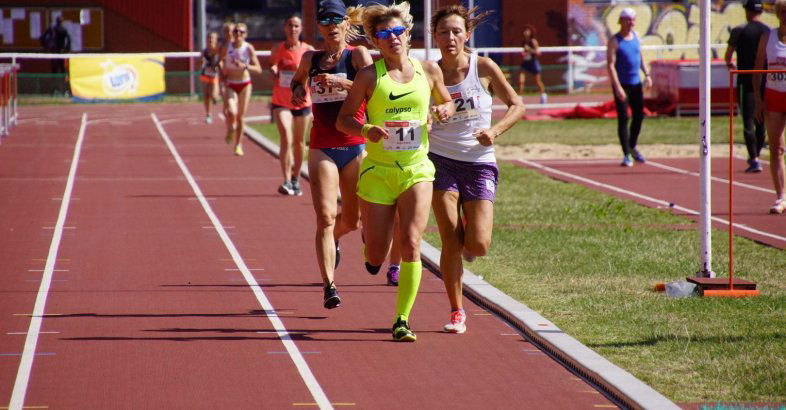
(776, 60)
(209, 63)
(628, 59)
(402, 109)
(455, 140)
(287, 61)
(326, 103)
(241, 53)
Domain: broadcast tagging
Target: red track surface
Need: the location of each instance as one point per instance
(148, 310)
(676, 181)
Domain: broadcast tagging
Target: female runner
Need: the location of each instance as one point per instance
(396, 174)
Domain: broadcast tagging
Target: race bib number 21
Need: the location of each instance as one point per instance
(402, 135)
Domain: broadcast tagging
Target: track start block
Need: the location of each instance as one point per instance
(720, 287)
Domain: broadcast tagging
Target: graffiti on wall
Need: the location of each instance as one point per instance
(661, 24)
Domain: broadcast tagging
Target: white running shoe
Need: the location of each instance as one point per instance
(208, 119)
(544, 98)
(778, 207)
(457, 323)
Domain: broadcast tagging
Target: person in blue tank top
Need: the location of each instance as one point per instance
(623, 61)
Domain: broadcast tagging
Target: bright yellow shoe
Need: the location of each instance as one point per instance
(239, 150)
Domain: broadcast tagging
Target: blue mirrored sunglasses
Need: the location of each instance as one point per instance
(391, 32)
(330, 20)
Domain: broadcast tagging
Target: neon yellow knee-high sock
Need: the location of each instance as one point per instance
(408, 284)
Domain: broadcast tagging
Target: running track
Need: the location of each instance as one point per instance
(174, 276)
(674, 183)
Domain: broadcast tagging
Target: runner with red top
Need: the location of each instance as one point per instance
(292, 120)
(333, 157)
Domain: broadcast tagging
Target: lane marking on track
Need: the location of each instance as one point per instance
(30, 407)
(285, 352)
(40, 333)
(716, 179)
(44, 270)
(42, 315)
(39, 280)
(60, 199)
(26, 363)
(213, 227)
(315, 404)
(236, 269)
(20, 354)
(52, 227)
(297, 358)
(645, 198)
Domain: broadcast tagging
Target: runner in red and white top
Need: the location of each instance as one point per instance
(772, 106)
(292, 120)
(237, 63)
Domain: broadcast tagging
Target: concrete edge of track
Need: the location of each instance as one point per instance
(615, 381)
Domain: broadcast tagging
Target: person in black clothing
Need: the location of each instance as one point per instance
(744, 39)
(57, 40)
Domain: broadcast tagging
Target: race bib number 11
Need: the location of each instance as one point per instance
(402, 135)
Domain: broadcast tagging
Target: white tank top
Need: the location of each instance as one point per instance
(240, 53)
(776, 60)
(455, 140)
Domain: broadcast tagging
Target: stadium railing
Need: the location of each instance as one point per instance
(567, 69)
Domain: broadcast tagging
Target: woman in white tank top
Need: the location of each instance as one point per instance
(463, 150)
(772, 106)
(237, 62)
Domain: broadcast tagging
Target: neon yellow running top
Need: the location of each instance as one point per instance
(403, 110)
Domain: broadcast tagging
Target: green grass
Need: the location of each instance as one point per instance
(587, 262)
(660, 130)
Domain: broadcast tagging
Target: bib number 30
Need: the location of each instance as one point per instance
(402, 135)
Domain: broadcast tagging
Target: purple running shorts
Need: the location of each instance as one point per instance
(472, 180)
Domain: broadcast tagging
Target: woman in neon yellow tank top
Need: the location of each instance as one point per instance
(397, 174)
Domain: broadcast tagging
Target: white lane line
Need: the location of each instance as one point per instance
(26, 364)
(716, 179)
(294, 353)
(646, 198)
(24, 333)
(257, 118)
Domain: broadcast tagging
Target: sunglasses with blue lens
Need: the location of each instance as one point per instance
(330, 20)
(389, 33)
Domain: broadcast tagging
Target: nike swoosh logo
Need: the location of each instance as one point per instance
(396, 97)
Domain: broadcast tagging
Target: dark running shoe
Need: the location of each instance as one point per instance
(338, 256)
(638, 157)
(373, 269)
(393, 272)
(286, 188)
(296, 187)
(754, 167)
(402, 333)
(331, 296)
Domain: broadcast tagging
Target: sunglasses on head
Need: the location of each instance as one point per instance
(330, 20)
(236, 31)
(390, 32)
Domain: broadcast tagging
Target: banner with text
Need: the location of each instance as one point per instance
(97, 79)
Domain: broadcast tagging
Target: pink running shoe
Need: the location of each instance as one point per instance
(457, 323)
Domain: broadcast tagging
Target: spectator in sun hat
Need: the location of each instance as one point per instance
(744, 40)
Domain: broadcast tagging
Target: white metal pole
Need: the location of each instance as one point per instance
(472, 37)
(705, 222)
(426, 36)
(201, 25)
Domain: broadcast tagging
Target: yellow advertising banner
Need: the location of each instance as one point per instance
(137, 77)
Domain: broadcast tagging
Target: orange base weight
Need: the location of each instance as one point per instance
(729, 293)
(719, 287)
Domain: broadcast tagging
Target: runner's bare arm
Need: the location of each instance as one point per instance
(254, 67)
(274, 61)
(444, 109)
(361, 90)
(300, 79)
(761, 57)
(489, 71)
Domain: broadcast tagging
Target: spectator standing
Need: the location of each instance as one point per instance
(530, 63)
(57, 40)
(623, 62)
(744, 40)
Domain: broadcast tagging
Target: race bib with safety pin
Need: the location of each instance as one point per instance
(322, 94)
(285, 78)
(466, 106)
(402, 135)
